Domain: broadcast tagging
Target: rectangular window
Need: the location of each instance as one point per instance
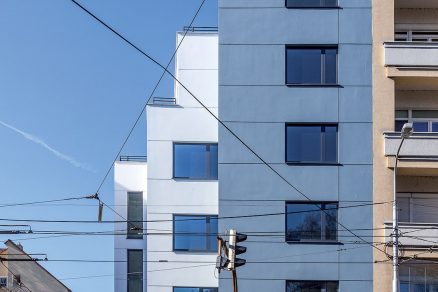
(135, 215)
(309, 65)
(422, 120)
(3, 282)
(311, 3)
(135, 270)
(312, 286)
(311, 143)
(418, 276)
(311, 221)
(189, 289)
(417, 207)
(195, 161)
(195, 233)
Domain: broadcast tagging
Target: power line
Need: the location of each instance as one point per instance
(215, 117)
(188, 219)
(156, 85)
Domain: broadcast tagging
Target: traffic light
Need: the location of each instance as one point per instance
(234, 249)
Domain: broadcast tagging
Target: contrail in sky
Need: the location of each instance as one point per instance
(40, 142)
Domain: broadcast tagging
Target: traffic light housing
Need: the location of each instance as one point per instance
(234, 249)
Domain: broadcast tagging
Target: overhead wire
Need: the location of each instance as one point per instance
(214, 116)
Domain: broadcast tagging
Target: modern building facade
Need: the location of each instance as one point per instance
(405, 79)
(175, 250)
(130, 246)
(18, 272)
(182, 178)
(295, 84)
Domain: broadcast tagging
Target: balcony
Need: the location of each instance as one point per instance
(418, 156)
(414, 235)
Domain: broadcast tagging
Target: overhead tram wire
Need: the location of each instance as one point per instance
(218, 120)
(190, 219)
(156, 85)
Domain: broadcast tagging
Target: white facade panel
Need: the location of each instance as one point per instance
(128, 177)
(185, 122)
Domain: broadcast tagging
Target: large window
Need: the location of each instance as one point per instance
(311, 222)
(418, 276)
(311, 65)
(195, 233)
(312, 286)
(422, 120)
(311, 3)
(135, 215)
(189, 289)
(135, 270)
(311, 143)
(417, 207)
(195, 161)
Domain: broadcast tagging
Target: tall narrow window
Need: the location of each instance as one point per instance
(312, 286)
(310, 65)
(195, 233)
(135, 270)
(311, 143)
(195, 161)
(311, 221)
(135, 215)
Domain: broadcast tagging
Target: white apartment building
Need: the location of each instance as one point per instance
(182, 189)
(130, 180)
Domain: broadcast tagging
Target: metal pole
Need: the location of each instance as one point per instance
(395, 267)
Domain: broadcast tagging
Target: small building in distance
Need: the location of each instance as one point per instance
(18, 272)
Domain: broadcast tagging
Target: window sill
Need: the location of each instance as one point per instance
(184, 251)
(314, 163)
(314, 85)
(193, 179)
(313, 7)
(318, 242)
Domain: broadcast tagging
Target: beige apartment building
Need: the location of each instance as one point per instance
(18, 272)
(405, 89)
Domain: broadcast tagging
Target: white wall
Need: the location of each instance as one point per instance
(196, 67)
(128, 177)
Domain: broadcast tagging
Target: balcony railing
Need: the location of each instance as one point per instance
(414, 235)
(422, 146)
(164, 100)
(138, 158)
(416, 36)
(411, 54)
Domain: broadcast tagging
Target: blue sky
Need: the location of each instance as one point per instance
(69, 92)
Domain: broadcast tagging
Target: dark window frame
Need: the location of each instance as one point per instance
(310, 281)
(322, 47)
(311, 241)
(201, 289)
(207, 231)
(127, 267)
(131, 234)
(208, 144)
(312, 7)
(335, 163)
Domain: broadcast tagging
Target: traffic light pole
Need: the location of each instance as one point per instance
(234, 275)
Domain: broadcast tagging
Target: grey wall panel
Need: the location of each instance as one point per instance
(355, 183)
(279, 26)
(256, 181)
(355, 65)
(355, 143)
(252, 65)
(355, 104)
(355, 3)
(282, 104)
(355, 26)
(251, 3)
